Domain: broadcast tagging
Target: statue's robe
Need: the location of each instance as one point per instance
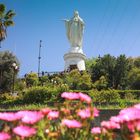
(75, 31)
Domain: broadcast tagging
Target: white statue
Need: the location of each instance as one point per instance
(74, 29)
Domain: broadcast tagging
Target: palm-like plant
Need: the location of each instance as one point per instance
(5, 21)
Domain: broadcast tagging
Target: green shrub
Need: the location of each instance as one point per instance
(123, 93)
(77, 80)
(101, 83)
(20, 85)
(6, 96)
(37, 95)
(43, 94)
(107, 96)
(130, 96)
(31, 79)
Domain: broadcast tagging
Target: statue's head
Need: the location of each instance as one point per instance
(76, 13)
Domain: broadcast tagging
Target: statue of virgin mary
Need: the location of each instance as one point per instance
(74, 30)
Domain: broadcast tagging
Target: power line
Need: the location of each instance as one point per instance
(108, 24)
(127, 30)
(101, 21)
(117, 25)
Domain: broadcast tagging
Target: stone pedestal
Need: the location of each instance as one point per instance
(75, 57)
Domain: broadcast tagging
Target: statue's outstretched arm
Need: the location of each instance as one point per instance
(66, 20)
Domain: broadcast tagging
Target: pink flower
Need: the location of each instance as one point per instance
(71, 123)
(4, 136)
(84, 97)
(137, 125)
(131, 126)
(45, 111)
(24, 131)
(110, 125)
(137, 106)
(95, 112)
(9, 116)
(70, 95)
(53, 115)
(116, 119)
(129, 114)
(96, 130)
(30, 117)
(85, 113)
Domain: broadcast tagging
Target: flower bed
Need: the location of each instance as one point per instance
(70, 121)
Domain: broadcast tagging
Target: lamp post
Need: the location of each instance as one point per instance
(39, 57)
(15, 68)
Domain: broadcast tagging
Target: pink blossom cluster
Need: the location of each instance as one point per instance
(24, 131)
(26, 122)
(76, 96)
(71, 123)
(26, 118)
(129, 117)
(4, 136)
(88, 112)
(128, 120)
(73, 117)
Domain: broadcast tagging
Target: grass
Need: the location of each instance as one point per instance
(12, 107)
(23, 107)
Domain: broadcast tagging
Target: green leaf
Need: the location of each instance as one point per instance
(2, 9)
(10, 14)
(8, 23)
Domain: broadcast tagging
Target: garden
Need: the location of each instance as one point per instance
(73, 120)
(66, 105)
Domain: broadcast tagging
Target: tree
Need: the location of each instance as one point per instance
(85, 82)
(31, 79)
(137, 62)
(77, 80)
(89, 64)
(72, 78)
(104, 67)
(7, 71)
(43, 80)
(5, 21)
(134, 78)
(101, 83)
(121, 72)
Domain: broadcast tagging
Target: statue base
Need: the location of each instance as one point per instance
(74, 59)
(76, 50)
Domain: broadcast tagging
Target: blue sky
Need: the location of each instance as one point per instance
(111, 26)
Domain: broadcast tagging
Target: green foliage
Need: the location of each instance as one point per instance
(104, 67)
(57, 80)
(90, 63)
(123, 93)
(31, 79)
(37, 95)
(101, 83)
(20, 85)
(121, 72)
(77, 80)
(72, 79)
(7, 71)
(5, 20)
(42, 94)
(85, 81)
(137, 62)
(107, 96)
(134, 78)
(115, 70)
(44, 80)
(130, 96)
(6, 97)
